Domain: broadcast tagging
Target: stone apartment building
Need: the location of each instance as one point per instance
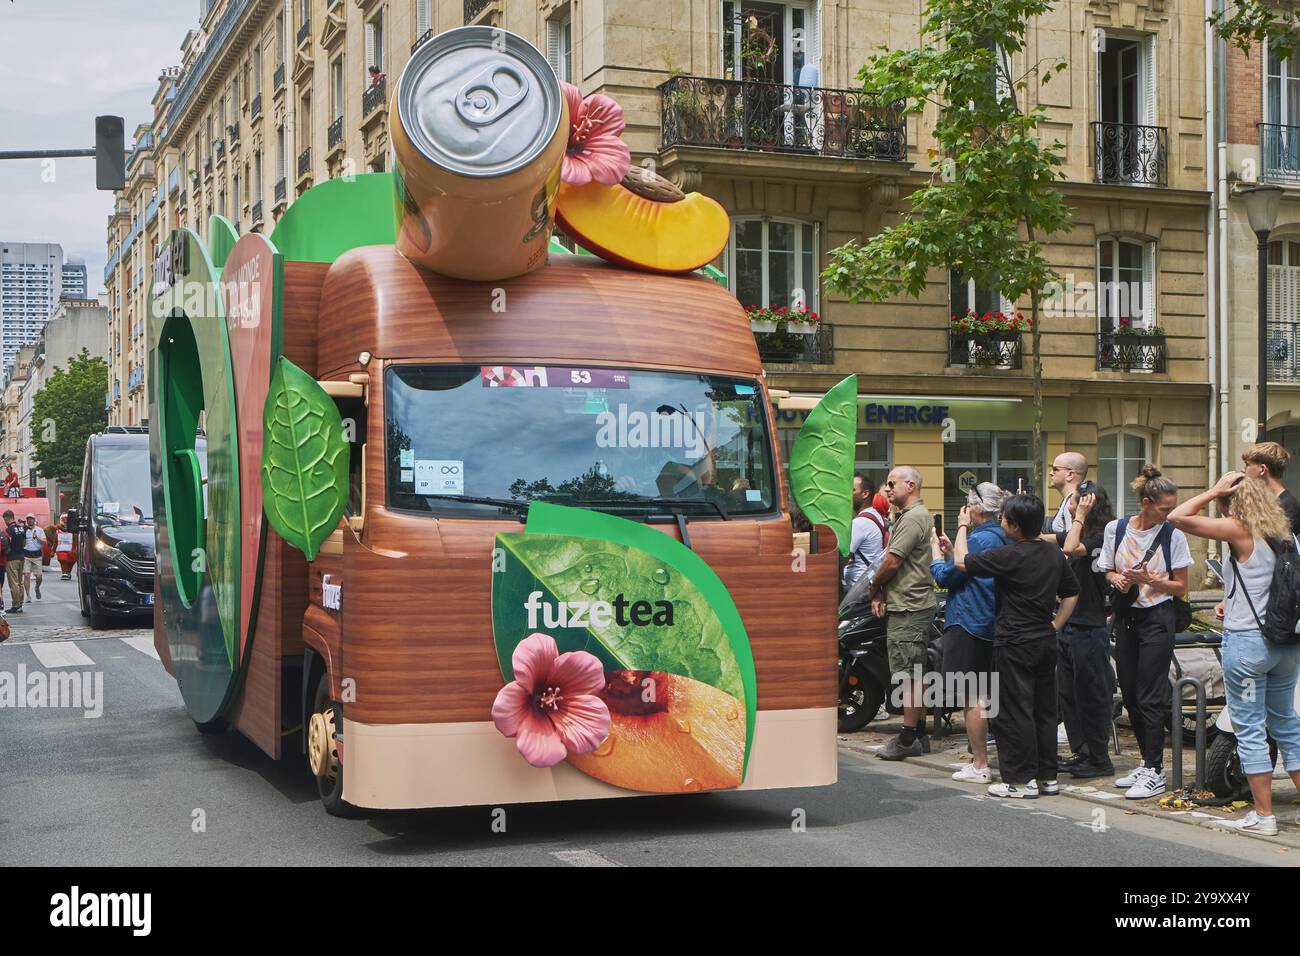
(753, 104)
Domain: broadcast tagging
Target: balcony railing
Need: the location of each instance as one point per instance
(1000, 350)
(304, 32)
(281, 191)
(1131, 353)
(257, 212)
(786, 348)
(425, 37)
(473, 8)
(374, 97)
(1279, 151)
(304, 162)
(277, 78)
(233, 133)
(1126, 153)
(255, 110)
(335, 135)
(220, 149)
(207, 166)
(740, 114)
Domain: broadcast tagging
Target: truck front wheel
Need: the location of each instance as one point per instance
(323, 751)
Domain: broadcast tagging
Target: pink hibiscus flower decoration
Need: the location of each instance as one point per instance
(596, 149)
(551, 707)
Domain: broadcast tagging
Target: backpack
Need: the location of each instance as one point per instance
(1282, 615)
(1123, 600)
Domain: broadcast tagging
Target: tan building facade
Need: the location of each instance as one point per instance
(753, 104)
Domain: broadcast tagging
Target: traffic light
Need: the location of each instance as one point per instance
(110, 153)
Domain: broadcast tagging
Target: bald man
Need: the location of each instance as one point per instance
(1068, 471)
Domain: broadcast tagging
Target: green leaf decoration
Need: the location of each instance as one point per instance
(821, 462)
(304, 460)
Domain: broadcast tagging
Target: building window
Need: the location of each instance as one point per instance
(963, 295)
(1004, 458)
(1125, 286)
(279, 39)
(279, 154)
(423, 17)
(771, 42)
(559, 46)
(773, 263)
(336, 89)
(1126, 80)
(375, 43)
(1120, 457)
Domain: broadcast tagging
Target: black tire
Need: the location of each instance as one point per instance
(216, 725)
(1223, 769)
(330, 790)
(99, 622)
(81, 593)
(861, 701)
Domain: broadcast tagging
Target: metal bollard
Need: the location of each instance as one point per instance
(1177, 732)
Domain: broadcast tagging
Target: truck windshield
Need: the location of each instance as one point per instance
(483, 440)
(121, 483)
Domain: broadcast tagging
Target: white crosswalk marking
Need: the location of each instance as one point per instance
(583, 858)
(59, 654)
(142, 644)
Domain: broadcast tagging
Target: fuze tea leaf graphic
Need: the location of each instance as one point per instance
(304, 459)
(821, 462)
(578, 578)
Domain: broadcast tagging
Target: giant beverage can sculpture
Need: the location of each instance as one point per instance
(480, 133)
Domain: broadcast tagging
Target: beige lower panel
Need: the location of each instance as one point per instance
(405, 766)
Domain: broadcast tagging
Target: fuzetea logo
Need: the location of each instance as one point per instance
(597, 614)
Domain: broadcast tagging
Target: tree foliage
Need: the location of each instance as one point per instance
(1245, 22)
(993, 197)
(65, 412)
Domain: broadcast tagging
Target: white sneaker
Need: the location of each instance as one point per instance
(1251, 823)
(1048, 788)
(1027, 792)
(1149, 784)
(1131, 777)
(972, 774)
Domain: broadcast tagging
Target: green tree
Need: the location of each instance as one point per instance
(993, 197)
(1255, 21)
(65, 412)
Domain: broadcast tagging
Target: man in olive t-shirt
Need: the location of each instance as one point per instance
(903, 593)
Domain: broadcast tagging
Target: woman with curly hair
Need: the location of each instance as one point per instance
(1260, 675)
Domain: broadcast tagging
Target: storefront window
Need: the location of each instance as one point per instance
(1002, 457)
(1120, 457)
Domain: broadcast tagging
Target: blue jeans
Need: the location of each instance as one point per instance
(1261, 678)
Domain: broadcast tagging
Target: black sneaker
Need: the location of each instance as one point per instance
(14, 610)
(1074, 760)
(897, 750)
(1091, 769)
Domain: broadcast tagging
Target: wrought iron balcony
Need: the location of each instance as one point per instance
(740, 114)
(473, 8)
(999, 350)
(1131, 353)
(1279, 151)
(1127, 153)
(335, 136)
(220, 149)
(257, 212)
(277, 79)
(281, 191)
(304, 162)
(424, 38)
(256, 109)
(1284, 351)
(304, 32)
(787, 348)
(374, 97)
(232, 132)
(207, 166)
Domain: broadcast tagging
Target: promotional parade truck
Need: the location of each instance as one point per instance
(470, 522)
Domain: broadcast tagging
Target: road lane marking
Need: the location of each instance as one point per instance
(583, 858)
(142, 644)
(53, 654)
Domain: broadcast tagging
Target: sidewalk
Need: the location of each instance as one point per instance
(949, 752)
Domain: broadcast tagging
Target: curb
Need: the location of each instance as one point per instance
(1288, 836)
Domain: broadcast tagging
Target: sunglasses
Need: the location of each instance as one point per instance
(890, 484)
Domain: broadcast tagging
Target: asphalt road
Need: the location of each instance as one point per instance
(138, 785)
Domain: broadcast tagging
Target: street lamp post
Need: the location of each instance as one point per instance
(1261, 209)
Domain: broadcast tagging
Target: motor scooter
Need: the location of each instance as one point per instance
(864, 676)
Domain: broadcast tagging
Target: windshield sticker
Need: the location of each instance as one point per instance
(406, 458)
(753, 495)
(408, 475)
(744, 389)
(439, 477)
(109, 508)
(543, 376)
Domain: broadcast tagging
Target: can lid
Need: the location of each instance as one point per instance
(479, 101)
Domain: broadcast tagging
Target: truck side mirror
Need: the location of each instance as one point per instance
(74, 520)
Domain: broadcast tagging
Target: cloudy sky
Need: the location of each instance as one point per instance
(62, 63)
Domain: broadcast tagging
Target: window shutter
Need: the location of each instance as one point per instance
(553, 29)
(370, 47)
(1101, 48)
(814, 53)
(1149, 285)
(423, 17)
(1149, 81)
(1003, 84)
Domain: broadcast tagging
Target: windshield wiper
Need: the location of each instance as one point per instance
(506, 504)
(662, 502)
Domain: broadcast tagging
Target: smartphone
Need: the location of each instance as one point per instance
(1020, 486)
(938, 524)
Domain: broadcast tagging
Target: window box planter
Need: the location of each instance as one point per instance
(802, 328)
(762, 325)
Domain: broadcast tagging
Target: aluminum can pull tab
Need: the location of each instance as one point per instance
(492, 93)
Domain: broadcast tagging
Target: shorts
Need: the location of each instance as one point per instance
(31, 564)
(968, 664)
(907, 635)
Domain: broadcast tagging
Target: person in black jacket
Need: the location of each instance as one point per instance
(15, 543)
